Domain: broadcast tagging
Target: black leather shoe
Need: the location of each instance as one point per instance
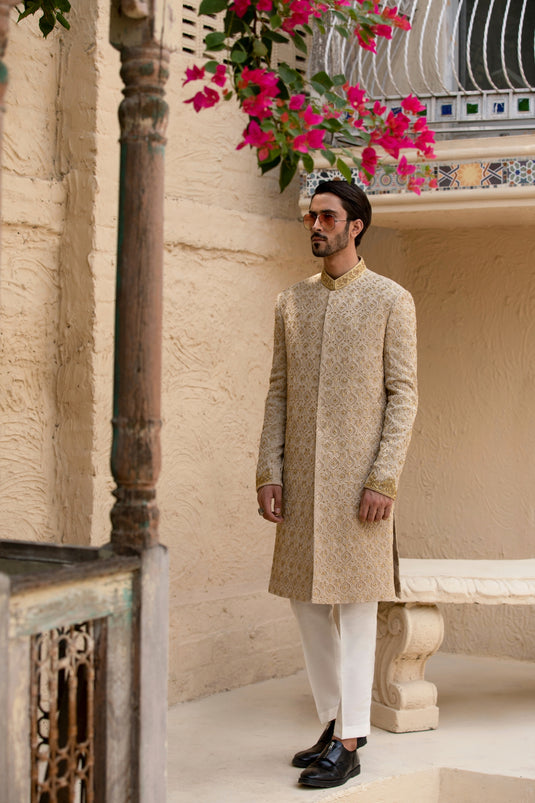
(335, 766)
(307, 757)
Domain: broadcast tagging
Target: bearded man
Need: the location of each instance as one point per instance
(338, 418)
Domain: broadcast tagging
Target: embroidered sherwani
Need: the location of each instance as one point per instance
(338, 418)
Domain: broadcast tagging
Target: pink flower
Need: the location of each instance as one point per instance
(310, 118)
(264, 5)
(404, 168)
(369, 160)
(256, 138)
(366, 44)
(433, 183)
(258, 105)
(203, 100)
(266, 80)
(240, 7)
(193, 74)
(220, 75)
(378, 109)
(300, 12)
(296, 102)
(424, 142)
(412, 105)
(414, 184)
(312, 140)
(382, 30)
(389, 143)
(357, 97)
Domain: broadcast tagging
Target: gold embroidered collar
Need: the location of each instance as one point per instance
(345, 279)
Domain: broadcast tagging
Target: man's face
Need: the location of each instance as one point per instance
(326, 243)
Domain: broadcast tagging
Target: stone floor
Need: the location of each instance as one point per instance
(235, 747)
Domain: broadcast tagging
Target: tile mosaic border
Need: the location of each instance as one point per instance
(456, 175)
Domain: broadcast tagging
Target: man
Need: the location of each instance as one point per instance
(338, 419)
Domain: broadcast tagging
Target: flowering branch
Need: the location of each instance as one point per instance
(290, 118)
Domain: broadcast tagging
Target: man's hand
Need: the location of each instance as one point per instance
(270, 501)
(374, 506)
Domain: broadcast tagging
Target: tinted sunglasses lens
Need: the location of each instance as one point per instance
(309, 220)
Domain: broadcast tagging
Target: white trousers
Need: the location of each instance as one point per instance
(340, 659)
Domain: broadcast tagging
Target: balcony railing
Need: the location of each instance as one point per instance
(470, 61)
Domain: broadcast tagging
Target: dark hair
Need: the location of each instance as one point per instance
(354, 200)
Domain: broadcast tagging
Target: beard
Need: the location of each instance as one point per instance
(325, 247)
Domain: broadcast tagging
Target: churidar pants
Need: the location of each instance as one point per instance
(340, 661)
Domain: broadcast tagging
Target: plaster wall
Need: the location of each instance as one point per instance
(467, 487)
(231, 244)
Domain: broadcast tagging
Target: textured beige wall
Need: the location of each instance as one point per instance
(231, 244)
(467, 488)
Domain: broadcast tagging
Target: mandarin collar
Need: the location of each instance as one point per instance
(345, 279)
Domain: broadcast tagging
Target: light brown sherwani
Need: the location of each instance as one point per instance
(338, 418)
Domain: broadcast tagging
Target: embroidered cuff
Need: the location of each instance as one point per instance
(385, 487)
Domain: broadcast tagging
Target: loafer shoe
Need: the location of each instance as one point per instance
(307, 757)
(334, 767)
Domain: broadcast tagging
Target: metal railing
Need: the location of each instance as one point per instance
(471, 62)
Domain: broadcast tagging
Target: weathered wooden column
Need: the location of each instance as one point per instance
(138, 335)
(141, 30)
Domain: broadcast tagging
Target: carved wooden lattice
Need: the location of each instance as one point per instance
(62, 714)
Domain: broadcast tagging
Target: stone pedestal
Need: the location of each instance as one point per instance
(407, 635)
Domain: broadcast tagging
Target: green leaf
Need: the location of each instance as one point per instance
(214, 39)
(287, 170)
(339, 80)
(211, 66)
(344, 169)
(259, 48)
(63, 5)
(308, 162)
(342, 31)
(322, 79)
(266, 166)
(329, 155)
(274, 36)
(289, 76)
(61, 19)
(307, 29)
(300, 43)
(212, 6)
(238, 56)
(275, 21)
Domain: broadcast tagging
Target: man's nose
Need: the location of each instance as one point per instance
(317, 223)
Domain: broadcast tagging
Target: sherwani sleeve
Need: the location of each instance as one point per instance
(271, 452)
(399, 360)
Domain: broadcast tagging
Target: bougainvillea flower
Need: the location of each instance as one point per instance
(378, 109)
(369, 160)
(264, 5)
(310, 118)
(366, 44)
(204, 99)
(404, 168)
(414, 184)
(240, 7)
(256, 138)
(265, 79)
(193, 74)
(312, 140)
(412, 105)
(382, 30)
(296, 102)
(258, 105)
(220, 75)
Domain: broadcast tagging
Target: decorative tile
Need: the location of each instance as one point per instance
(450, 176)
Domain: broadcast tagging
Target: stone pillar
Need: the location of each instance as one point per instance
(138, 30)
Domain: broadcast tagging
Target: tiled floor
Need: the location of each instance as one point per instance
(235, 747)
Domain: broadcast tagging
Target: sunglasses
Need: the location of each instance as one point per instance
(326, 219)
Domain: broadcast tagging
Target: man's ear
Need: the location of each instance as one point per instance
(356, 227)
